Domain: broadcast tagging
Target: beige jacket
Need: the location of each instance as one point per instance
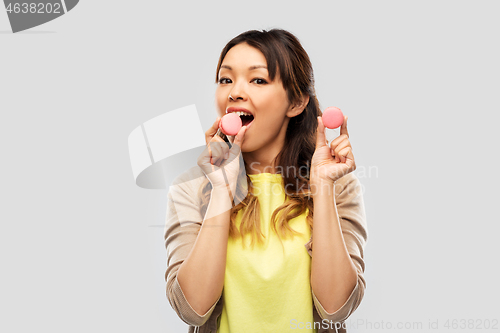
(184, 220)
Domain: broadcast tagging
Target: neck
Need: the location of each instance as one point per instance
(263, 162)
(263, 159)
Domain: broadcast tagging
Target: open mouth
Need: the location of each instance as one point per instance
(245, 120)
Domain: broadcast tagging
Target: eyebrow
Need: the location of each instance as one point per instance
(251, 68)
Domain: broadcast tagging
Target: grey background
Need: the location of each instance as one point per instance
(82, 246)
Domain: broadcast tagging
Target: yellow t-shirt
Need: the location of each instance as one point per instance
(267, 289)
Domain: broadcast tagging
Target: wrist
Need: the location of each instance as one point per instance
(217, 178)
(220, 202)
(321, 187)
(323, 177)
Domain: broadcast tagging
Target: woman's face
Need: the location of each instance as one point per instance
(244, 84)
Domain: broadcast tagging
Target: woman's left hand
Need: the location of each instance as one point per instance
(331, 162)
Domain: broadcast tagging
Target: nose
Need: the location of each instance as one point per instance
(237, 92)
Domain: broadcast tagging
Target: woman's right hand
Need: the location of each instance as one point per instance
(217, 159)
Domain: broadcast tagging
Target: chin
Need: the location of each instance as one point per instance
(248, 148)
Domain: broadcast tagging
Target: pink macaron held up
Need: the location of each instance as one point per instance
(230, 124)
(332, 117)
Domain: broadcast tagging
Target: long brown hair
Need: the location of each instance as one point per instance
(283, 52)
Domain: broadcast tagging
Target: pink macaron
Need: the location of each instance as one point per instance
(332, 117)
(230, 124)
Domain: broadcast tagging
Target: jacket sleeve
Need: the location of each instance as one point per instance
(351, 211)
(183, 223)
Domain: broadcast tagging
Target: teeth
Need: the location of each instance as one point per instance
(242, 113)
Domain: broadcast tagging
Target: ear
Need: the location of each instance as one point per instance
(297, 109)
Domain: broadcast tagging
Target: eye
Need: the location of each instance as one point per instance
(259, 81)
(224, 80)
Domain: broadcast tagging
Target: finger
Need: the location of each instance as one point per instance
(335, 156)
(224, 148)
(343, 128)
(225, 151)
(216, 138)
(346, 156)
(209, 134)
(216, 151)
(335, 142)
(320, 134)
(339, 148)
(240, 137)
(237, 143)
(212, 154)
